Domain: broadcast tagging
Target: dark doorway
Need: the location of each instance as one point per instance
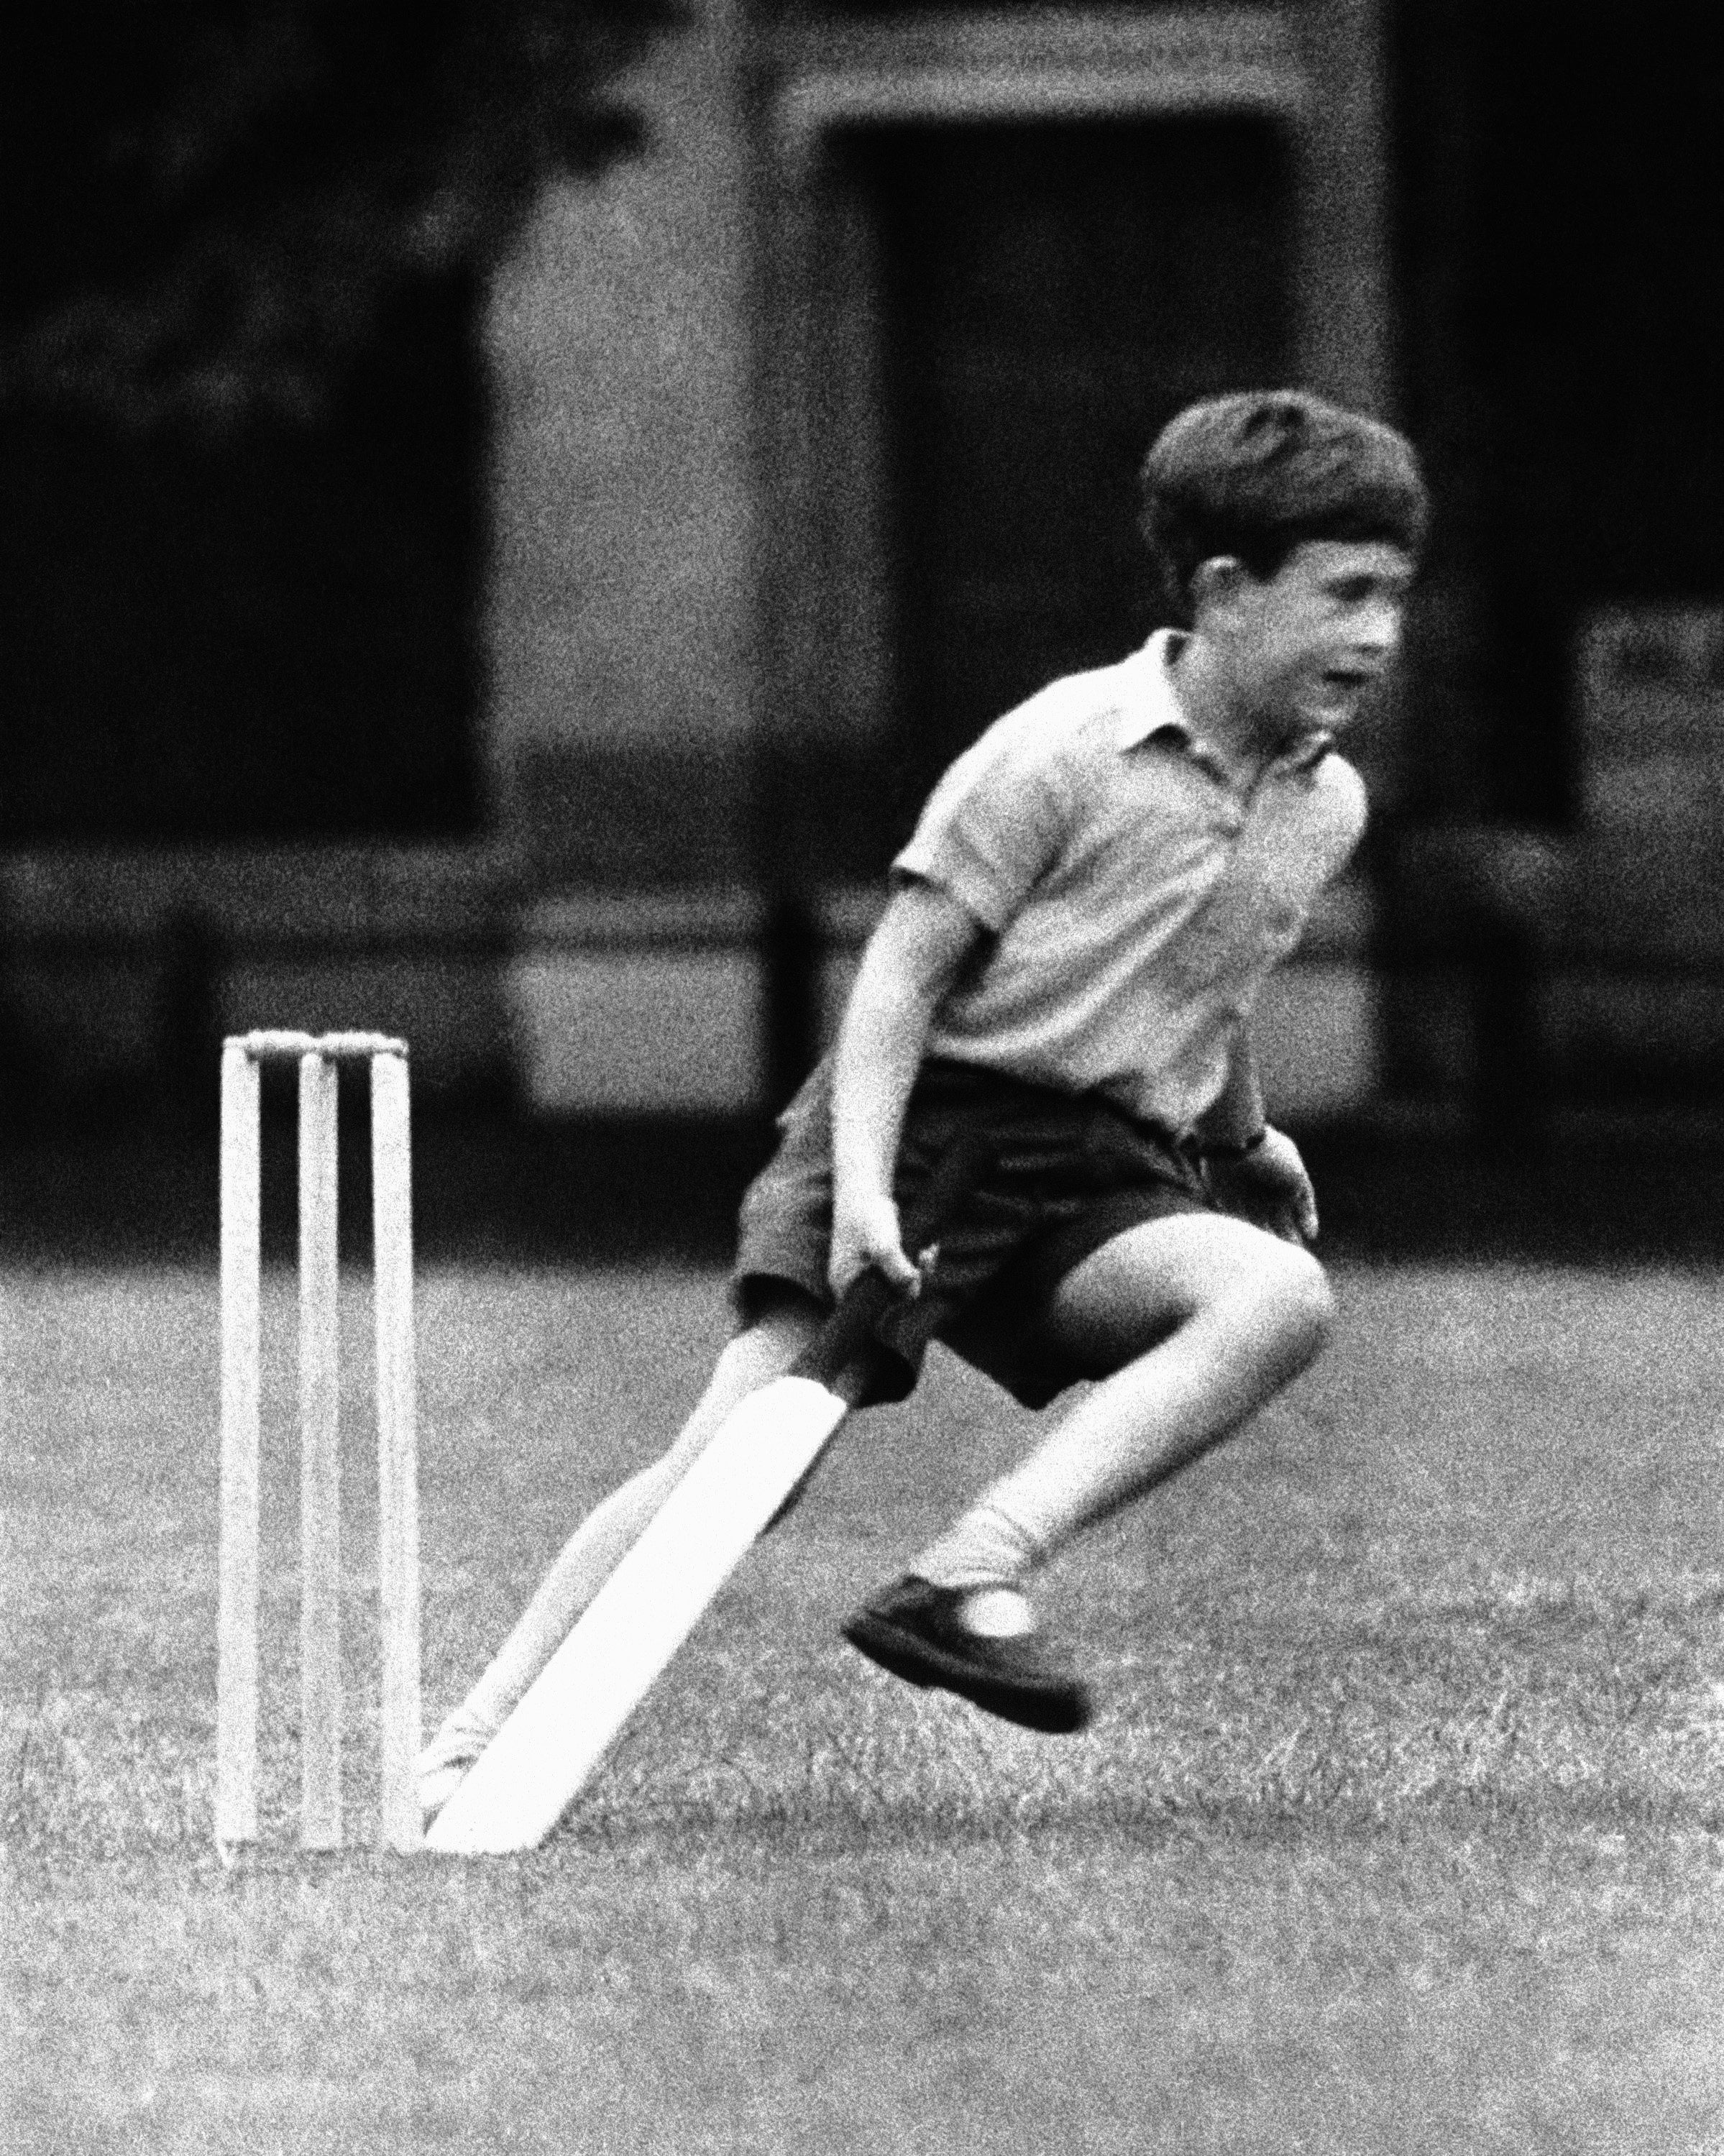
(1054, 294)
(1562, 280)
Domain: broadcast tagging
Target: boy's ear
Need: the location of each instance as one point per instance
(1217, 581)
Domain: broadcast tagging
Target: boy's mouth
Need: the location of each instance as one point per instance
(1339, 689)
(1333, 697)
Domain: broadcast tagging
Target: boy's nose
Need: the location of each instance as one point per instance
(1380, 630)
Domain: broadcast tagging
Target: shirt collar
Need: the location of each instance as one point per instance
(1152, 708)
(1150, 704)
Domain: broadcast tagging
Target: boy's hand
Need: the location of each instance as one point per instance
(865, 1232)
(1269, 1186)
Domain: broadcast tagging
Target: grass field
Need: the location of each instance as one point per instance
(1402, 1829)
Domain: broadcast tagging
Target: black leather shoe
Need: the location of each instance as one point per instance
(916, 1631)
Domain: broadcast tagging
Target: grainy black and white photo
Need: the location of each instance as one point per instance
(861, 1078)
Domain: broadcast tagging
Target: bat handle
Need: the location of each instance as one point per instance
(841, 1355)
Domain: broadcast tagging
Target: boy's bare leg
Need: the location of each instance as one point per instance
(1200, 1320)
(599, 1544)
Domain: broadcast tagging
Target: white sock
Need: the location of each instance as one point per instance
(458, 1744)
(998, 1613)
(987, 1547)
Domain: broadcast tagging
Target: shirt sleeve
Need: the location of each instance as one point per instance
(993, 827)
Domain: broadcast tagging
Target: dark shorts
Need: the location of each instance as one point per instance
(1069, 1172)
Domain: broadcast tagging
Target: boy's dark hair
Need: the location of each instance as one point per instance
(1255, 474)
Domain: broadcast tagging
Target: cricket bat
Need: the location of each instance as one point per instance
(563, 1724)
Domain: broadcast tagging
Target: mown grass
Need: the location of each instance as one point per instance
(1402, 1828)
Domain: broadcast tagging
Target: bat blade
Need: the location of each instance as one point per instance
(550, 1747)
(547, 1752)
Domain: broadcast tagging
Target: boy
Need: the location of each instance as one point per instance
(1076, 934)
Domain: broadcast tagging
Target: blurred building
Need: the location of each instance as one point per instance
(847, 384)
(810, 445)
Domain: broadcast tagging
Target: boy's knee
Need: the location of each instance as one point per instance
(1302, 1302)
(753, 1358)
(772, 1335)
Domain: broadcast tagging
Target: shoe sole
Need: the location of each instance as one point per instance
(918, 1661)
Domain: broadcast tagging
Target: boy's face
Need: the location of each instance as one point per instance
(1306, 646)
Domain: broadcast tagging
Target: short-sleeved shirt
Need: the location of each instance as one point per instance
(1135, 900)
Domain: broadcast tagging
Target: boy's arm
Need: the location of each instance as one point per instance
(911, 960)
(1234, 1122)
(1252, 1169)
